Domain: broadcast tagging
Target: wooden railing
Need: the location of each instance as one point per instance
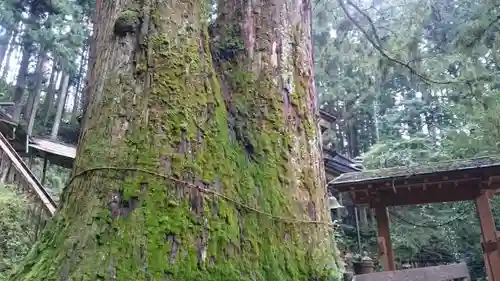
(15, 172)
(452, 272)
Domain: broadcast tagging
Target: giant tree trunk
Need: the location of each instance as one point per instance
(179, 177)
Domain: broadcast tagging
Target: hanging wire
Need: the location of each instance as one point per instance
(203, 189)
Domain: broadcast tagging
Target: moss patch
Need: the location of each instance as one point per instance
(127, 22)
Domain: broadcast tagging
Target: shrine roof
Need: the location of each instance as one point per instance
(447, 181)
(417, 170)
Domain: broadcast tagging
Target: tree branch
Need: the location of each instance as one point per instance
(369, 19)
(481, 34)
(378, 47)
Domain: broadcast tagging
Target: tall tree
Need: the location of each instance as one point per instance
(61, 101)
(37, 89)
(187, 173)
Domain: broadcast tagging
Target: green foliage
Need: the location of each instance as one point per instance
(56, 177)
(6, 90)
(16, 232)
(402, 152)
(414, 82)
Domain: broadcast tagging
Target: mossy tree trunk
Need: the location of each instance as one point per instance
(166, 117)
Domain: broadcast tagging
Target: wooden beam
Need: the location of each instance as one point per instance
(418, 196)
(28, 175)
(494, 181)
(386, 253)
(488, 236)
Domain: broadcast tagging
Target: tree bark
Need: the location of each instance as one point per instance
(4, 45)
(198, 180)
(48, 102)
(61, 102)
(11, 47)
(89, 79)
(35, 91)
(77, 97)
(33, 105)
(21, 78)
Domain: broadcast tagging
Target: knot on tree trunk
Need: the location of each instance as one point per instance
(127, 22)
(120, 206)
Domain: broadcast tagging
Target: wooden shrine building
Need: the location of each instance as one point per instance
(475, 179)
(335, 163)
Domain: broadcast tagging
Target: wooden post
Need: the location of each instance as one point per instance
(486, 264)
(363, 217)
(4, 167)
(44, 170)
(30, 161)
(488, 236)
(384, 239)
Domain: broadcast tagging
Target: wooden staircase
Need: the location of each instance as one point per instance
(15, 172)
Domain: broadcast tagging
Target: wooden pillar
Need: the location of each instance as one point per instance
(363, 217)
(30, 161)
(486, 264)
(488, 236)
(4, 167)
(44, 169)
(386, 252)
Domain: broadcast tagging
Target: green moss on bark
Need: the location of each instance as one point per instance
(127, 22)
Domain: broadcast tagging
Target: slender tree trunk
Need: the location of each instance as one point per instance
(21, 78)
(77, 97)
(89, 79)
(10, 49)
(65, 114)
(4, 45)
(35, 92)
(33, 106)
(49, 94)
(48, 104)
(74, 109)
(203, 182)
(60, 106)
